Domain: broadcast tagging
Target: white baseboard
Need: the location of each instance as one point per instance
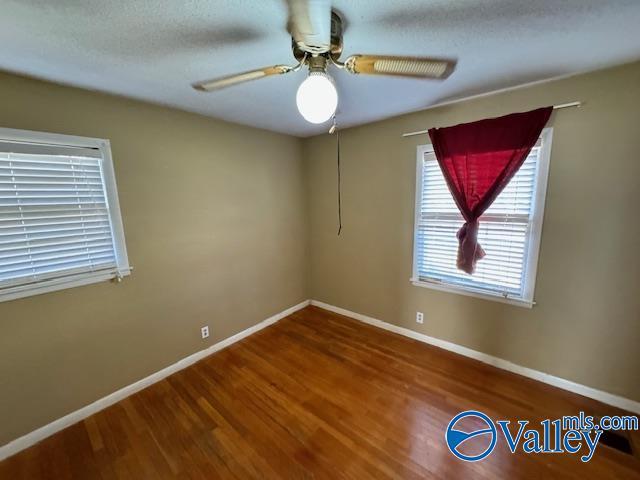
(41, 433)
(604, 397)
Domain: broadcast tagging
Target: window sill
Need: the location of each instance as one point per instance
(60, 284)
(443, 287)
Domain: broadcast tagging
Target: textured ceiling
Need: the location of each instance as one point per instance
(153, 49)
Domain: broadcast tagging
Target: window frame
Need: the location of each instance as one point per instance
(115, 218)
(534, 236)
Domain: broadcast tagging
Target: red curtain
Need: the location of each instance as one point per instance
(478, 160)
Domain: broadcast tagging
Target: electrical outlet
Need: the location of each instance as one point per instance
(419, 317)
(204, 331)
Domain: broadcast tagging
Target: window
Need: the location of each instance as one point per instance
(60, 222)
(509, 231)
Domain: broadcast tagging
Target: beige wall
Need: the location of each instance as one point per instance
(214, 217)
(227, 225)
(586, 325)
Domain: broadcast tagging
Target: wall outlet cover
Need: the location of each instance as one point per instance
(204, 331)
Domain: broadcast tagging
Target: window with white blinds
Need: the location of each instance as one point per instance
(509, 231)
(60, 223)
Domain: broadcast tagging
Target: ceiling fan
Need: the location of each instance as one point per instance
(316, 34)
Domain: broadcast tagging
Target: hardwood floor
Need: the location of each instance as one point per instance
(316, 395)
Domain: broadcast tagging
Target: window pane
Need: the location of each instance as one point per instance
(54, 216)
(503, 232)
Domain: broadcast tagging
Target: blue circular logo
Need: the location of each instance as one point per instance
(455, 438)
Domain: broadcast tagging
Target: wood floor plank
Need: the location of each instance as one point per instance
(316, 396)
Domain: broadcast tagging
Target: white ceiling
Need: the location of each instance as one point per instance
(153, 49)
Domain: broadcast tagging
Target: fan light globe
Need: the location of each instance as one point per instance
(317, 98)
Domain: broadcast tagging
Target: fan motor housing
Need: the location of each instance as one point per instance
(335, 50)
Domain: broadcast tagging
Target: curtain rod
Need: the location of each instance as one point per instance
(555, 107)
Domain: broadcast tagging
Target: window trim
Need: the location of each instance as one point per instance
(123, 268)
(534, 237)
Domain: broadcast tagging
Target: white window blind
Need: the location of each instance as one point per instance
(509, 230)
(58, 226)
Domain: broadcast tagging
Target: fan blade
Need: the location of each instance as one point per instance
(230, 80)
(310, 24)
(421, 67)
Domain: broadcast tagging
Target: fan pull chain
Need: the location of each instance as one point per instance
(332, 130)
